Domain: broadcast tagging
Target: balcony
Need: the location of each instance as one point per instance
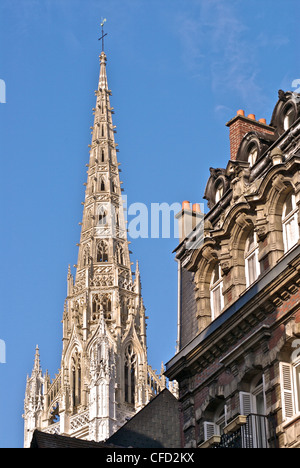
(253, 431)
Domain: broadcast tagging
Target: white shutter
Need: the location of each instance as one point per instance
(210, 429)
(245, 403)
(287, 394)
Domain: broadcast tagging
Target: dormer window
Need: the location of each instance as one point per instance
(288, 118)
(252, 156)
(219, 192)
(290, 223)
(216, 292)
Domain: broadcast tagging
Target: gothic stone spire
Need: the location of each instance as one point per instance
(104, 376)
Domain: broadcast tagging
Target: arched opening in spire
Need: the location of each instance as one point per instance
(76, 379)
(130, 374)
(102, 216)
(102, 252)
(102, 185)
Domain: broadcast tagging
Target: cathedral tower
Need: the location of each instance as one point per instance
(104, 377)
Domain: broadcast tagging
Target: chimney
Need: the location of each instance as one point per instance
(188, 219)
(240, 125)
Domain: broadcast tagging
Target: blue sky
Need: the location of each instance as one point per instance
(178, 71)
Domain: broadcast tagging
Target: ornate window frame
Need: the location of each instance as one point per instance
(252, 265)
(290, 228)
(216, 292)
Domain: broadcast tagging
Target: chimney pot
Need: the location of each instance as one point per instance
(263, 121)
(196, 207)
(240, 112)
(186, 205)
(251, 116)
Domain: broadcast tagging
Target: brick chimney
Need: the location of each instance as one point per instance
(240, 125)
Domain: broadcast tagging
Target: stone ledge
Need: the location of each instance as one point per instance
(235, 424)
(213, 440)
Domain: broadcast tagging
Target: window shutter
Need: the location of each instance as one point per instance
(210, 429)
(287, 395)
(245, 403)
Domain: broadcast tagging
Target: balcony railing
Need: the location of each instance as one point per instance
(253, 434)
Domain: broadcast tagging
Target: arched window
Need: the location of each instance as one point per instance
(252, 266)
(96, 305)
(76, 379)
(130, 375)
(288, 118)
(216, 292)
(290, 223)
(102, 155)
(102, 185)
(102, 252)
(102, 216)
(219, 192)
(216, 427)
(252, 156)
(107, 307)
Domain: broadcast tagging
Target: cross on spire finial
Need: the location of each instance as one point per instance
(103, 35)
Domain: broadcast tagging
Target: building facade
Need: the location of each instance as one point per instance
(238, 360)
(104, 377)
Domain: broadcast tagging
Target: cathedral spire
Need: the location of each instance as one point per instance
(104, 374)
(103, 232)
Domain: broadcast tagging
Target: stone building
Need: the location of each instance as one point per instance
(104, 378)
(238, 359)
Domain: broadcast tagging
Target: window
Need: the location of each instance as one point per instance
(288, 118)
(287, 390)
(252, 405)
(106, 304)
(252, 156)
(210, 429)
(219, 422)
(102, 185)
(129, 374)
(252, 265)
(102, 252)
(76, 379)
(290, 388)
(219, 192)
(290, 223)
(102, 216)
(216, 294)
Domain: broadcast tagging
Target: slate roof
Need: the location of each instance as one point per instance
(43, 440)
(157, 425)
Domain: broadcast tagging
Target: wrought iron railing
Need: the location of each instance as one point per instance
(253, 434)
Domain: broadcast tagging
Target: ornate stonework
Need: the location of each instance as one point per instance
(104, 377)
